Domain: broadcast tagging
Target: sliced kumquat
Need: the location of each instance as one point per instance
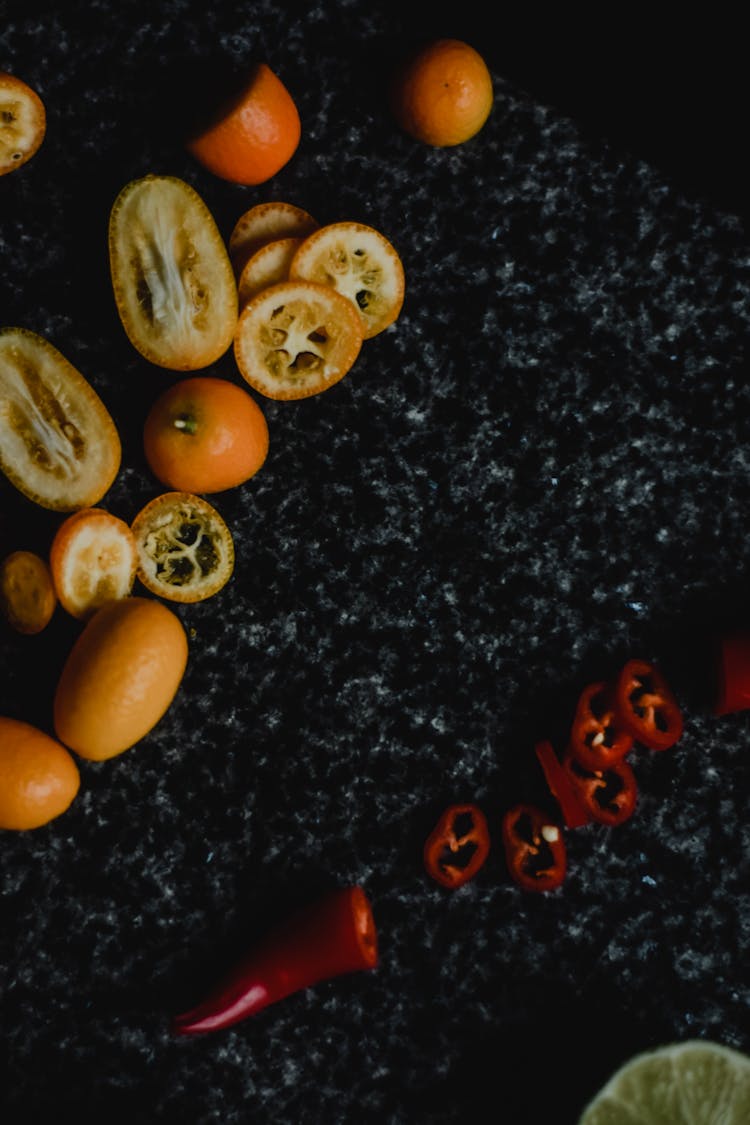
(172, 279)
(185, 549)
(264, 223)
(27, 592)
(23, 122)
(296, 339)
(361, 264)
(93, 560)
(267, 266)
(58, 443)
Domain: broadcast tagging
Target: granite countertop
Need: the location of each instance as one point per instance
(538, 472)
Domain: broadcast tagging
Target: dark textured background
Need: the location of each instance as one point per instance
(540, 470)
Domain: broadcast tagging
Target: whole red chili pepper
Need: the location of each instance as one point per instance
(646, 707)
(457, 846)
(574, 811)
(534, 848)
(609, 794)
(733, 686)
(597, 735)
(334, 935)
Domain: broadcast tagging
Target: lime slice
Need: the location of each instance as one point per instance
(698, 1082)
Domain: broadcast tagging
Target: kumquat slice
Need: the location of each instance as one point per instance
(185, 549)
(361, 264)
(93, 560)
(296, 339)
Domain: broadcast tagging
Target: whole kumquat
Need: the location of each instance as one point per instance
(27, 592)
(205, 434)
(38, 777)
(442, 95)
(120, 677)
(254, 135)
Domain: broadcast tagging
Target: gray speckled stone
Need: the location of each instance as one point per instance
(537, 472)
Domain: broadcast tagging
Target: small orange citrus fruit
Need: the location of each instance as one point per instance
(27, 592)
(263, 223)
(254, 135)
(296, 339)
(172, 279)
(93, 560)
(361, 264)
(38, 777)
(267, 266)
(23, 122)
(205, 435)
(120, 677)
(58, 443)
(443, 94)
(185, 549)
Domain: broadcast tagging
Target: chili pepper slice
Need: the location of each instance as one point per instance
(609, 794)
(335, 934)
(457, 846)
(733, 688)
(574, 811)
(597, 736)
(534, 848)
(646, 706)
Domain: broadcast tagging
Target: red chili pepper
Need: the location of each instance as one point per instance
(534, 849)
(334, 935)
(597, 736)
(646, 706)
(574, 812)
(609, 794)
(457, 846)
(733, 687)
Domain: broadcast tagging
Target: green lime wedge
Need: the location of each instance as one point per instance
(698, 1082)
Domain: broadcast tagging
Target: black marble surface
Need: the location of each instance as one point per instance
(539, 471)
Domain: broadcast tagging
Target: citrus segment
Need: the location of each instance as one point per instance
(205, 434)
(361, 264)
(442, 95)
(38, 777)
(172, 279)
(267, 266)
(264, 223)
(27, 592)
(698, 1082)
(185, 549)
(93, 561)
(120, 677)
(253, 136)
(23, 122)
(58, 443)
(296, 339)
